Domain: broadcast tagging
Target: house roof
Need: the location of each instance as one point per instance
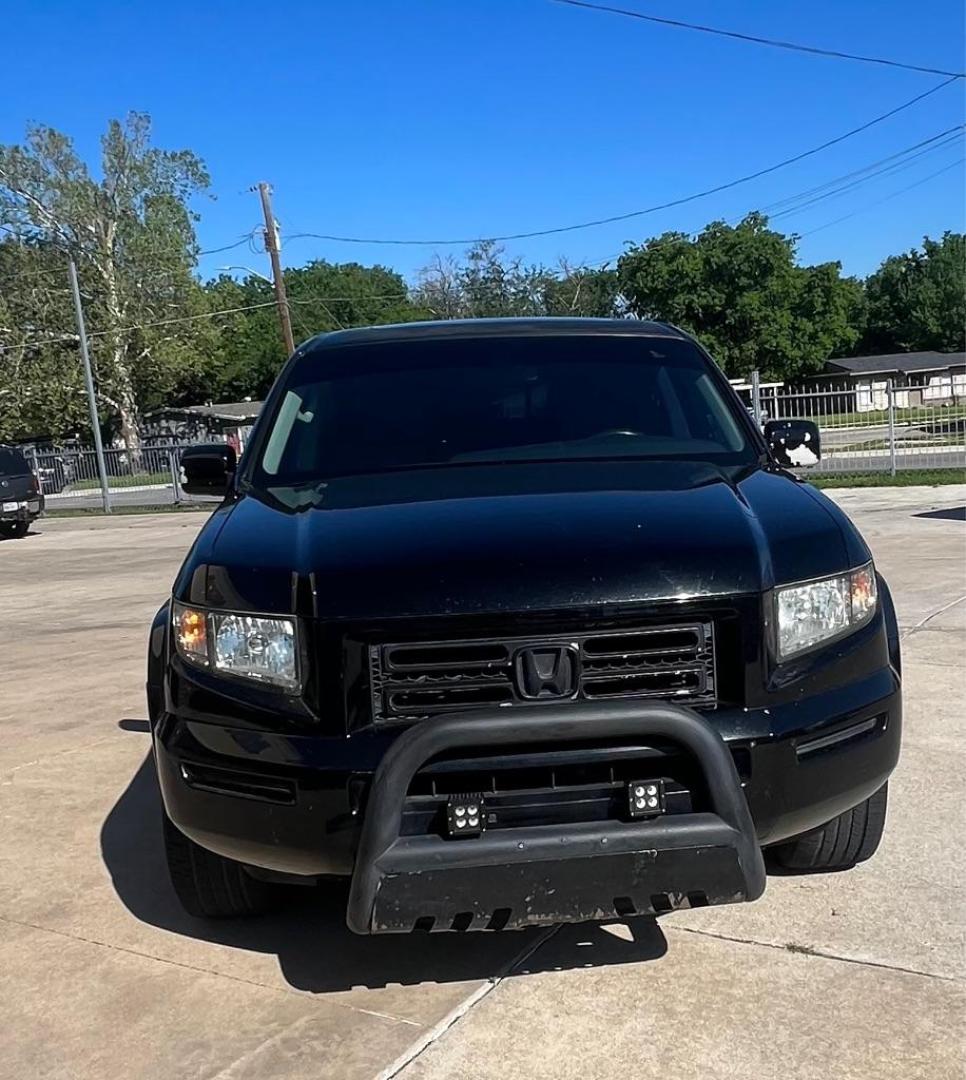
(228, 410)
(897, 363)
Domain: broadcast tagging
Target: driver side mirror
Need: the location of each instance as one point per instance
(793, 442)
(208, 469)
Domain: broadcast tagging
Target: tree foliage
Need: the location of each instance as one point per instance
(323, 296)
(160, 337)
(917, 300)
(39, 382)
(740, 290)
(487, 284)
(131, 233)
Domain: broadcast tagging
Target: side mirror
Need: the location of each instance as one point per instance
(208, 469)
(793, 442)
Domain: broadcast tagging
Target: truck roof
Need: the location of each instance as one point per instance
(483, 328)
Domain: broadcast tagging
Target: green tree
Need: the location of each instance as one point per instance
(322, 297)
(131, 233)
(917, 300)
(41, 388)
(582, 292)
(485, 285)
(741, 292)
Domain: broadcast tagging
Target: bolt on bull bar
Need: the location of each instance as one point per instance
(513, 878)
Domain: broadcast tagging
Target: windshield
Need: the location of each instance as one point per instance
(443, 403)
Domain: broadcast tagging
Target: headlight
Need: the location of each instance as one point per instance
(251, 646)
(811, 613)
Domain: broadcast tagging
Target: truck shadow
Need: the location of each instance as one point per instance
(316, 950)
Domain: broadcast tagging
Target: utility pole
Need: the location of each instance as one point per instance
(271, 245)
(89, 383)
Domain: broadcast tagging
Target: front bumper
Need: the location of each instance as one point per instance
(564, 873)
(795, 766)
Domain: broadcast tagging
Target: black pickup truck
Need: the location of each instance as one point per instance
(21, 500)
(516, 622)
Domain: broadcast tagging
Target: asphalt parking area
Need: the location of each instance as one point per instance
(859, 974)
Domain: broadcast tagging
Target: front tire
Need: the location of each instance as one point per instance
(14, 530)
(850, 838)
(208, 885)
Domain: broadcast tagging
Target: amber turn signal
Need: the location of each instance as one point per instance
(191, 633)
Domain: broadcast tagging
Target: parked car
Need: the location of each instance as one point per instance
(517, 622)
(21, 500)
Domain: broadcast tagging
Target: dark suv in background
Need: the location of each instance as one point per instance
(21, 500)
(517, 622)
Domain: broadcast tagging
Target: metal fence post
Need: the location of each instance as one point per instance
(175, 467)
(756, 396)
(891, 400)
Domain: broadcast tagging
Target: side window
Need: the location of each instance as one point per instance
(12, 462)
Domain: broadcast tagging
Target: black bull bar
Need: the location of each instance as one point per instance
(519, 877)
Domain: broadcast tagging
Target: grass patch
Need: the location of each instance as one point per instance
(119, 482)
(98, 512)
(903, 443)
(916, 414)
(904, 478)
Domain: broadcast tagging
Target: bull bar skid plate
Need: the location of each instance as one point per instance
(515, 878)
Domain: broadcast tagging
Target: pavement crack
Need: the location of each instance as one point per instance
(206, 971)
(244, 1060)
(434, 1034)
(932, 615)
(810, 950)
(8, 776)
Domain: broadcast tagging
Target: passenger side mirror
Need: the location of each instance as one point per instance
(208, 469)
(793, 442)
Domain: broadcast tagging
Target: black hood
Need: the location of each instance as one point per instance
(518, 539)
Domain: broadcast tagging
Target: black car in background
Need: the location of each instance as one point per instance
(21, 500)
(517, 622)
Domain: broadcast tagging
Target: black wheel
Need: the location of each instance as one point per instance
(14, 530)
(208, 885)
(850, 838)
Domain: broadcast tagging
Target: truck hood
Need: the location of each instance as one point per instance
(517, 538)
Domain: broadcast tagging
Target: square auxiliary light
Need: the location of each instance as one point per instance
(645, 798)
(465, 815)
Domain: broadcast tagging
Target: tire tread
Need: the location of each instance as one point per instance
(848, 839)
(210, 886)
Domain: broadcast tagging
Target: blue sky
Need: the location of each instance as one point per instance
(450, 118)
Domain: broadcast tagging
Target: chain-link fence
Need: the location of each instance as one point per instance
(874, 429)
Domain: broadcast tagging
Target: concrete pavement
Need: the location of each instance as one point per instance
(859, 974)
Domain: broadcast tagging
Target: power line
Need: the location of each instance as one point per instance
(908, 153)
(844, 189)
(901, 157)
(137, 326)
(209, 251)
(346, 299)
(879, 202)
(634, 213)
(229, 247)
(32, 274)
(755, 40)
(59, 339)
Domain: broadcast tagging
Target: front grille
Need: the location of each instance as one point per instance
(415, 680)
